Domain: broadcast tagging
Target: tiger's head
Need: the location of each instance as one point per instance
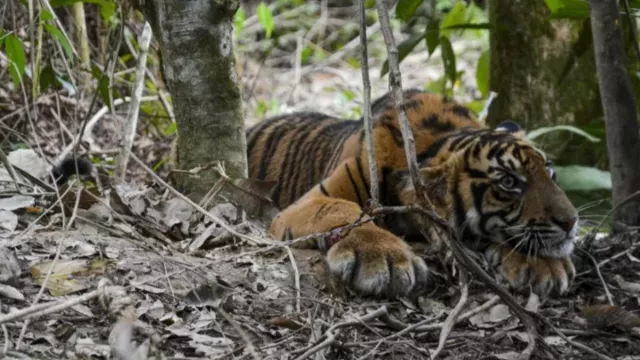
(496, 188)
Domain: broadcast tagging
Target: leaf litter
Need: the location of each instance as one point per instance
(200, 297)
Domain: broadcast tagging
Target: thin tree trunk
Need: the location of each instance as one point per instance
(199, 68)
(618, 101)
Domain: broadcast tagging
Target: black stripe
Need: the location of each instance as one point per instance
(301, 158)
(271, 144)
(324, 190)
(320, 211)
(361, 173)
(288, 165)
(353, 183)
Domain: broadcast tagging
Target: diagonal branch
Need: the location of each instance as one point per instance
(395, 87)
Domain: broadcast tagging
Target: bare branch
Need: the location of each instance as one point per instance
(131, 124)
(395, 87)
(368, 126)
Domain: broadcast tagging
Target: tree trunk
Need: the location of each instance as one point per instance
(618, 101)
(530, 72)
(199, 68)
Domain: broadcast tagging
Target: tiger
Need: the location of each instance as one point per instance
(496, 189)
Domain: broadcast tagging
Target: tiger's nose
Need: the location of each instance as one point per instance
(568, 224)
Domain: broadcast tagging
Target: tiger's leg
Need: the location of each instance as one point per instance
(368, 259)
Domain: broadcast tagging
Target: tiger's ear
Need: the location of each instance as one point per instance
(511, 127)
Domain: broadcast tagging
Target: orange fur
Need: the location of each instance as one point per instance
(321, 167)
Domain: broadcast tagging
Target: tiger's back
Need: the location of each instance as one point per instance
(299, 150)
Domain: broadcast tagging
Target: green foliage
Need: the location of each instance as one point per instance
(404, 49)
(265, 17)
(57, 34)
(582, 178)
(568, 9)
(448, 58)
(407, 8)
(432, 35)
(238, 20)
(47, 78)
(545, 130)
(107, 7)
(15, 53)
(103, 86)
(482, 73)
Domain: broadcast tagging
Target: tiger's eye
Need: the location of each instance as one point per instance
(508, 181)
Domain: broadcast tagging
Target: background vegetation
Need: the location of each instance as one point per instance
(62, 60)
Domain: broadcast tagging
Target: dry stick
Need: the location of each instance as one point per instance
(49, 308)
(10, 169)
(131, 124)
(451, 319)
(368, 127)
(296, 277)
(464, 258)
(196, 206)
(395, 86)
(604, 283)
(334, 330)
(571, 342)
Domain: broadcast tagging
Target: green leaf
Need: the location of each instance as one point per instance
(448, 58)
(238, 20)
(575, 178)
(407, 8)
(544, 130)
(15, 53)
(45, 15)
(48, 78)
(482, 73)
(553, 5)
(266, 18)
(404, 48)
(107, 7)
(432, 35)
(568, 9)
(57, 34)
(457, 16)
(103, 86)
(171, 129)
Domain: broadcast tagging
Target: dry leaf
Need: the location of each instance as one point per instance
(67, 275)
(628, 286)
(10, 292)
(16, 202)
(605, 316)
(8, 220)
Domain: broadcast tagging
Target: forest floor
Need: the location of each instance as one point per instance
(147, 276)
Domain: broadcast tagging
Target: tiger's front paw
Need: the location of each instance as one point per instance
(544, 275)
(372, 261)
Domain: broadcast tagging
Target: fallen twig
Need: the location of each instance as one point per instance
(49, 308)
(453, 315)
(330, 335)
